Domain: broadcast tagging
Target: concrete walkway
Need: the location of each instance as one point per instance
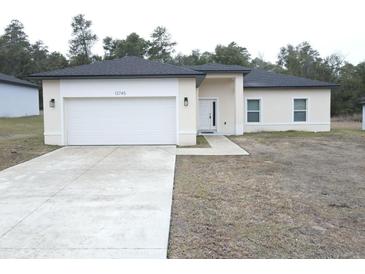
(220, 145)
(88, 202)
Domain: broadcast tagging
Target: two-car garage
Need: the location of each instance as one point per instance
(127, 101)
(114, 121)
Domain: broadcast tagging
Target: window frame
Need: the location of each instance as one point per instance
(259, 111)
(306, 110)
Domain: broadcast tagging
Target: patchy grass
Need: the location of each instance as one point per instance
(357, 117)
(356, 125)
(346, 132)
(298, 195)
(21, 139)
(201, 142)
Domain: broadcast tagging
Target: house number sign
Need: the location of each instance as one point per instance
(120, 93)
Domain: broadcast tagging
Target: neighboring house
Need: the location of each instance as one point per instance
(136, 101)
(362, 101)
(17, 97)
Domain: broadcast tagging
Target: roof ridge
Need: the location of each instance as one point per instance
(126, 66)
(271, 79)
(160, 63)
(294, 76)
(219, 66)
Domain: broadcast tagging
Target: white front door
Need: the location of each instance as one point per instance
(207, 114)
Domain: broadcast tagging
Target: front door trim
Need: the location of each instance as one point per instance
(216, 99)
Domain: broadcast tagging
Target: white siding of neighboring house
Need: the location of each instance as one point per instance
(17, 101)
(277, 109)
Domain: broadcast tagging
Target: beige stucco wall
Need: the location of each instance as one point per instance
(60, 89)
(277, 109)
(187, 123)
(52, 116)
(223, 90)
(239, 104)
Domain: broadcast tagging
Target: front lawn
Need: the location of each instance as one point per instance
(298, 195)
(21, 139)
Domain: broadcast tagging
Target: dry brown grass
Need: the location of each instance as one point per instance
(298, 195)
(347, 118)
(21, 139)
(346, 125)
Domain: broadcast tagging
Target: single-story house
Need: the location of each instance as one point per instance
(136, 101)
(17, 97)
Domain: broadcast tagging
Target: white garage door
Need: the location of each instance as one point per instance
(115, 121)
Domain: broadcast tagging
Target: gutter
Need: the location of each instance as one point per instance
(19, 84)
(288, 87)
(53, 77)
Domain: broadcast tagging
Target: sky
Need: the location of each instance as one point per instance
(262, 26)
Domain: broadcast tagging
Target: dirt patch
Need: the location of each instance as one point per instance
(21, 139)
(298, 195)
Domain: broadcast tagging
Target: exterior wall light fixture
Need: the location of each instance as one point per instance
(52, 103)
(186, 101)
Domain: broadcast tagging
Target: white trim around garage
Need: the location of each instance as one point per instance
(116, 89)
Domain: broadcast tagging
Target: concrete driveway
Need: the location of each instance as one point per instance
(88, 202)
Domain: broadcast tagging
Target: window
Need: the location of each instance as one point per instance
(253, 110)
(300, 110)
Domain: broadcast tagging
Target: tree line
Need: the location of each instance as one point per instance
(21, 58)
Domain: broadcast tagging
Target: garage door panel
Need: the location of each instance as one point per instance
(103, 121)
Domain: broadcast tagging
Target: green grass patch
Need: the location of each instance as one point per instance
(22, 125)
(21, 139)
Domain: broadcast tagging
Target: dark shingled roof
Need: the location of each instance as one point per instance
(362, 100)
(15, 81)
(258, 78)
(128, 66)
(220, 68)
(135, 67)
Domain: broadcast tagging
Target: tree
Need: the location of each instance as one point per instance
(232, 54)
(345, 99)
(260, 63)
(82, 41)
(109, 47)
(15, 50)
(161, 47)
(20, 58)
(133, 45)
(56, 60)
(301, 60)
(43, 60)
(305, 61)
(39, 57)
(195, 58)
